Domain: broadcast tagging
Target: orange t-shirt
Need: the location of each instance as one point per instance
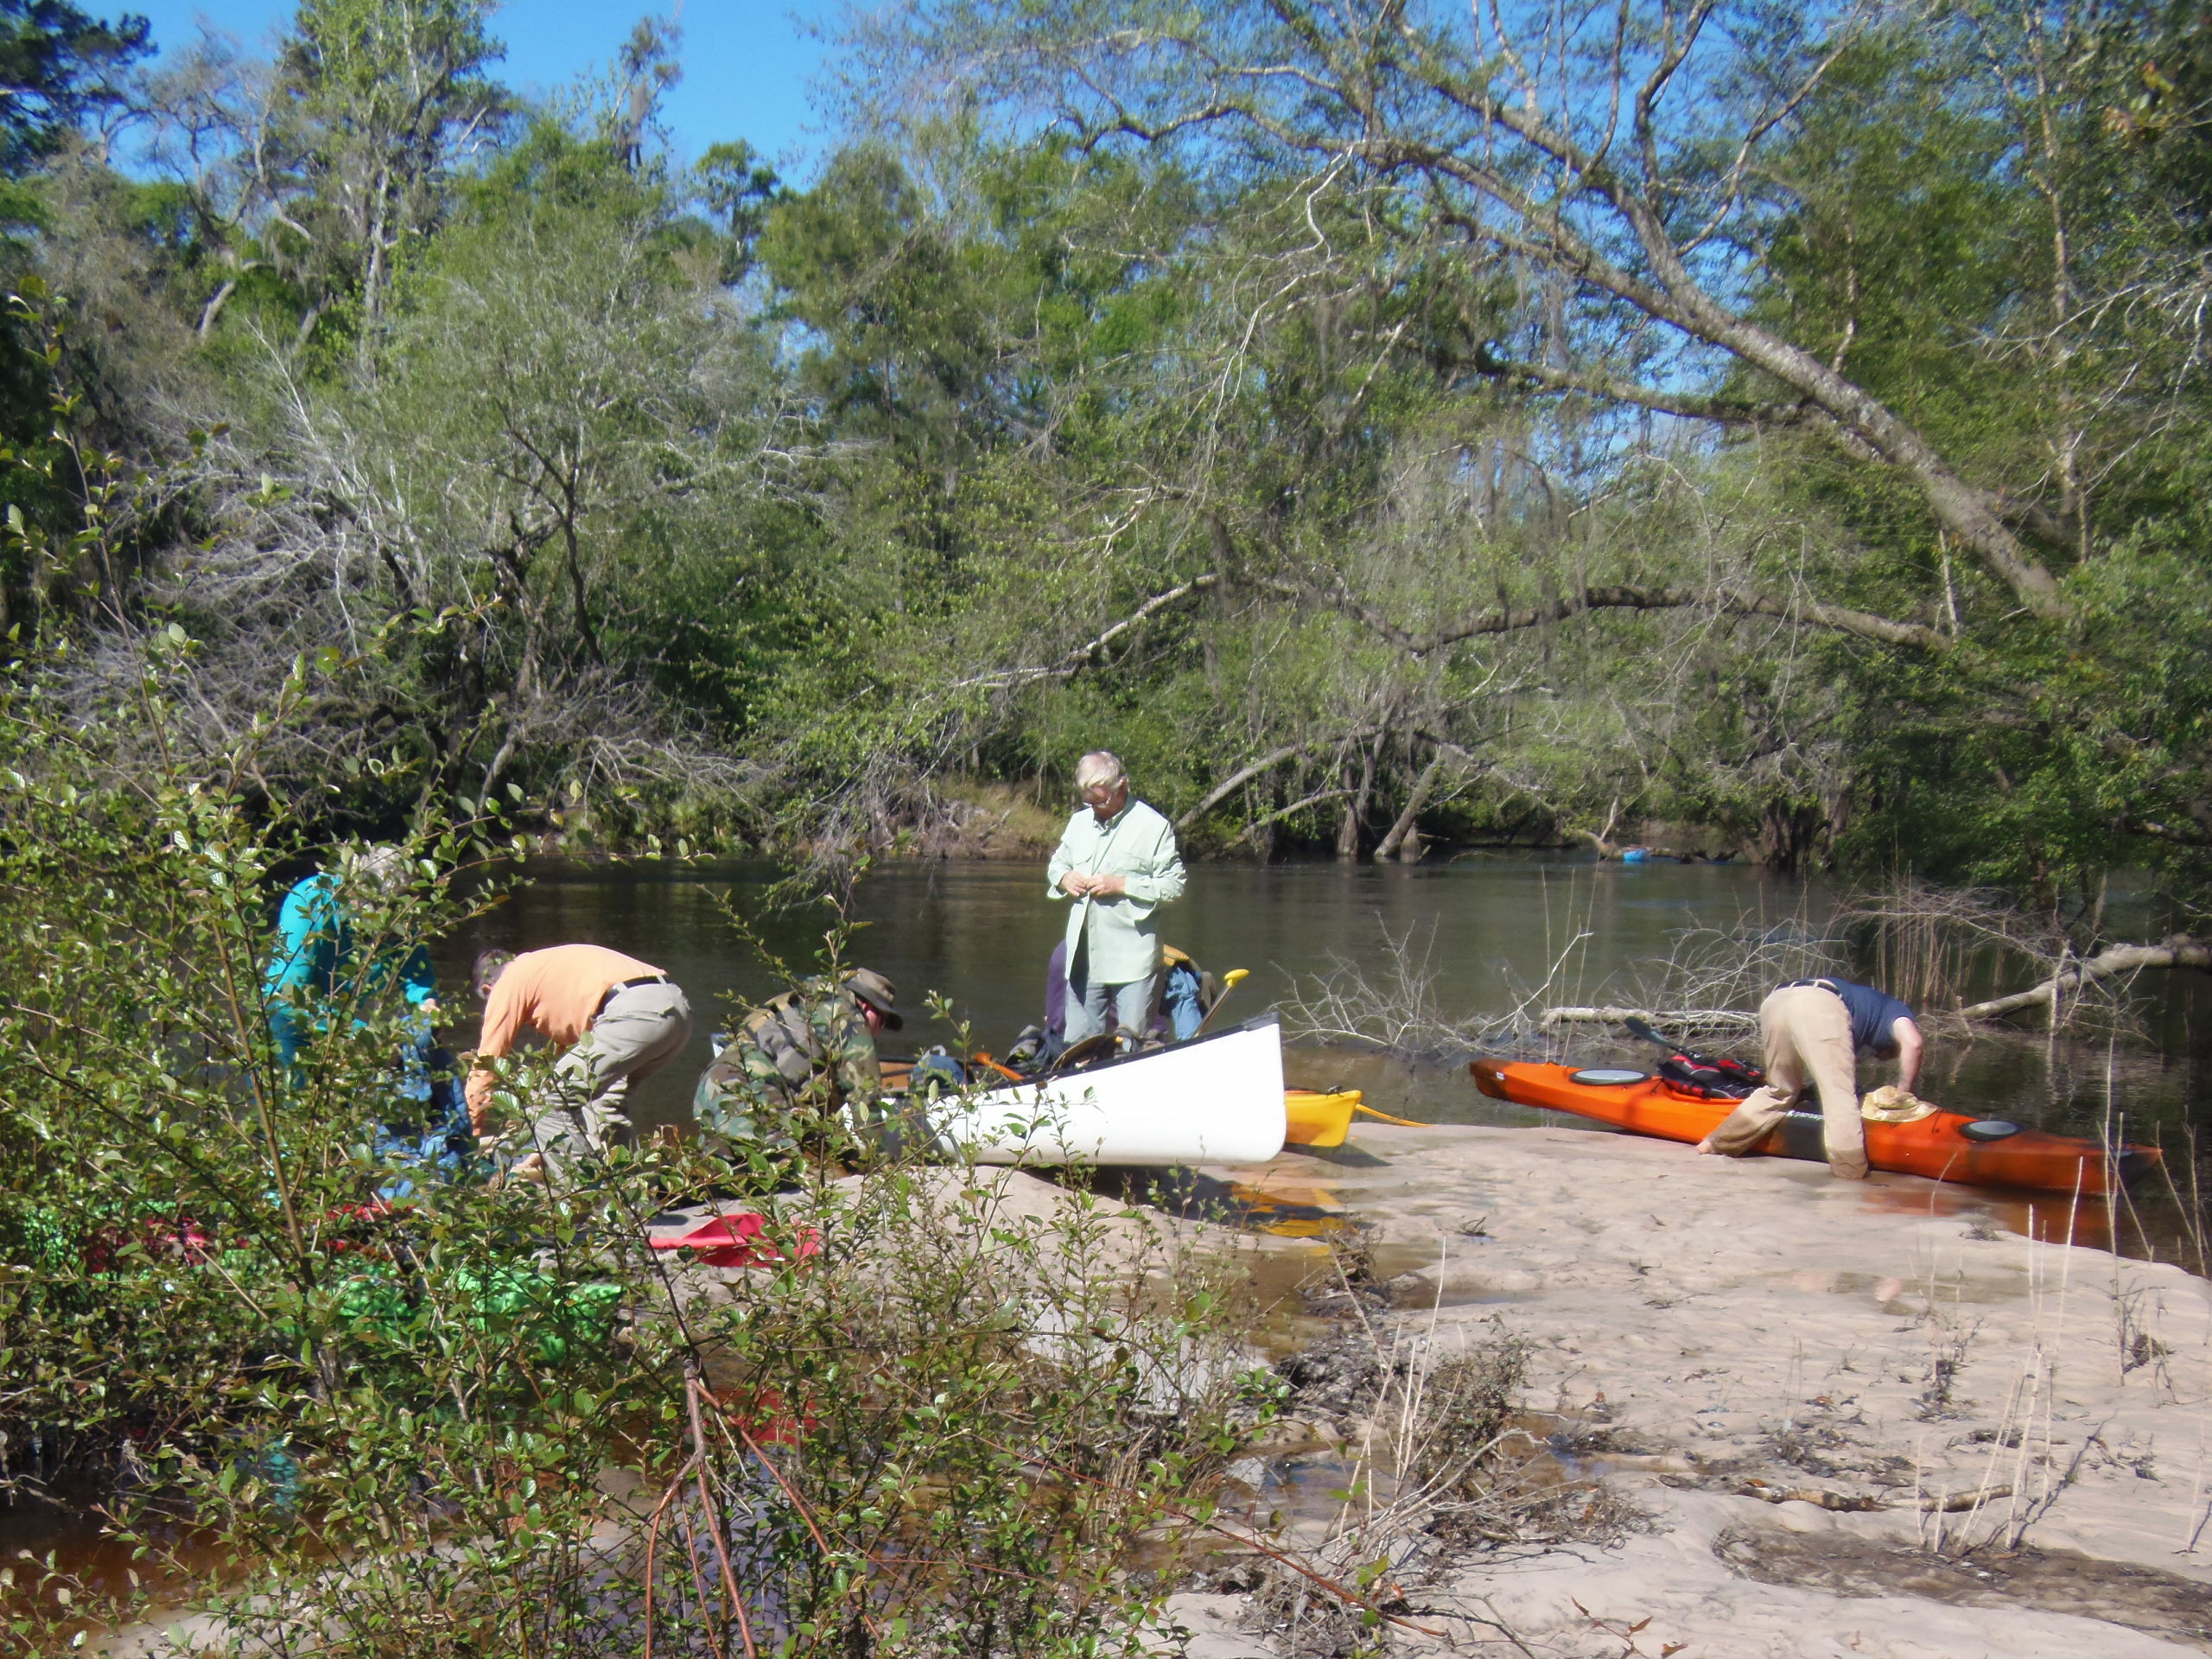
(556, 992)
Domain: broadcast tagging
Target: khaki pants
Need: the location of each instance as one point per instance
(1808, 1033)
(640, 1030)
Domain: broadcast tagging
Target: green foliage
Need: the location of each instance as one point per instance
(742, 510)
(946, 1414)
(58, 64)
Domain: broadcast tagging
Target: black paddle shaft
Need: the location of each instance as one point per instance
(1638, 1026)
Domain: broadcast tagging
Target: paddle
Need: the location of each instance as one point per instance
(1638, 1026)
(1733, 1070)
(1229, 981)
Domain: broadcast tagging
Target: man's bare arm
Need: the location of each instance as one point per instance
(1909, 1047)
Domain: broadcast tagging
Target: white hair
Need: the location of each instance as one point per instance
(1099, 767)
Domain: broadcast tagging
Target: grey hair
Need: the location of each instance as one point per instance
(383, 867)
(1099, 767)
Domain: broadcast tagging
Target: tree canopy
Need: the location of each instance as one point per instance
(1775, 428)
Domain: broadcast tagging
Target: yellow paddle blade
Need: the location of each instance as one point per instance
(1402, 1122)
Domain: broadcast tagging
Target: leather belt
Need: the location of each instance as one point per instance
(616, 989)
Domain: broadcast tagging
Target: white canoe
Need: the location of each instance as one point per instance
(1214, 1100)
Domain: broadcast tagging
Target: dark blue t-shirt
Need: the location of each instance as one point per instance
(1872, 1013)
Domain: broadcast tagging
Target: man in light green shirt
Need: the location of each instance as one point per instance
(1117, 862)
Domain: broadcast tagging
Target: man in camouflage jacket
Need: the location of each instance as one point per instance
(782, 1081)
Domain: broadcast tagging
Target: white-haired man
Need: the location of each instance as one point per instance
(1117, 862)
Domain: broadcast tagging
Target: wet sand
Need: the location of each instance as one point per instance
(1838, 1404)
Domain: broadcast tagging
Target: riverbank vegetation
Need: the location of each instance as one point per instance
(1781, 424)
(310, 1399)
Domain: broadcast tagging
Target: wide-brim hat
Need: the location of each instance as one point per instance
(1890, 1104)
(878, 992)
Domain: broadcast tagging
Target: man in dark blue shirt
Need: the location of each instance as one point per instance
(1814, 1031)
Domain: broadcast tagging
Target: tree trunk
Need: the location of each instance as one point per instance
(1403, 842)
(1356, 808)
(1791, 836)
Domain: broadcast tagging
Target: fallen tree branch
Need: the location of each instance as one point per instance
(1958, 1503)
(1085, 655)
(1840, 1502)
(1686, 1020)
(2177, 950)
(1620, 596)
(1855, 1503)
(1230, 785)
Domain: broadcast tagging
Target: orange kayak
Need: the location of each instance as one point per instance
(1945, 1146)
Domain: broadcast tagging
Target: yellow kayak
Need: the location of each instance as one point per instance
(1319, 1119)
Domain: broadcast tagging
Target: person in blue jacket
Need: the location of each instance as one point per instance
(314, 961)
(318, 961)
(1177, 1016)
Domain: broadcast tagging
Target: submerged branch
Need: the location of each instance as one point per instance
(1681, 1019)
(2178, 950)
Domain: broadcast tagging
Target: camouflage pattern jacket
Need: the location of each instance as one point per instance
(781, 1082)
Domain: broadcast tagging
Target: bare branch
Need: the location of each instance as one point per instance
(1688, 1022)
(1237, 780)
(1621, 596)
(2177, 950)
(1087, 654)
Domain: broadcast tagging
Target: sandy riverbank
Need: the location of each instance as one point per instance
(1733, 1332)
(1828, 1410)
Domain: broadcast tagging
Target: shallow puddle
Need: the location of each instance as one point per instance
(1280, 1279)
(55, 1556)
(2049, 1218)
(1290, 1209)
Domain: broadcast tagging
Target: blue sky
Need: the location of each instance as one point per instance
(747, 63)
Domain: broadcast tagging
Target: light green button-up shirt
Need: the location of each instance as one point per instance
(1138, 845)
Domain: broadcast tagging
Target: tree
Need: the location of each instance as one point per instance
(1618, 157)
(58, 64)
(568, 417)
(321, 171)
(389, 95)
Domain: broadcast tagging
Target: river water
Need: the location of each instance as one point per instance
(1486, 931)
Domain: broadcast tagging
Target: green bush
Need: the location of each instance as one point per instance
(966, 1417)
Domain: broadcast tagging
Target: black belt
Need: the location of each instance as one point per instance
(616, 989)
(1827, 985)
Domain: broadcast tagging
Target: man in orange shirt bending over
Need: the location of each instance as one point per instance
(618, 1018)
